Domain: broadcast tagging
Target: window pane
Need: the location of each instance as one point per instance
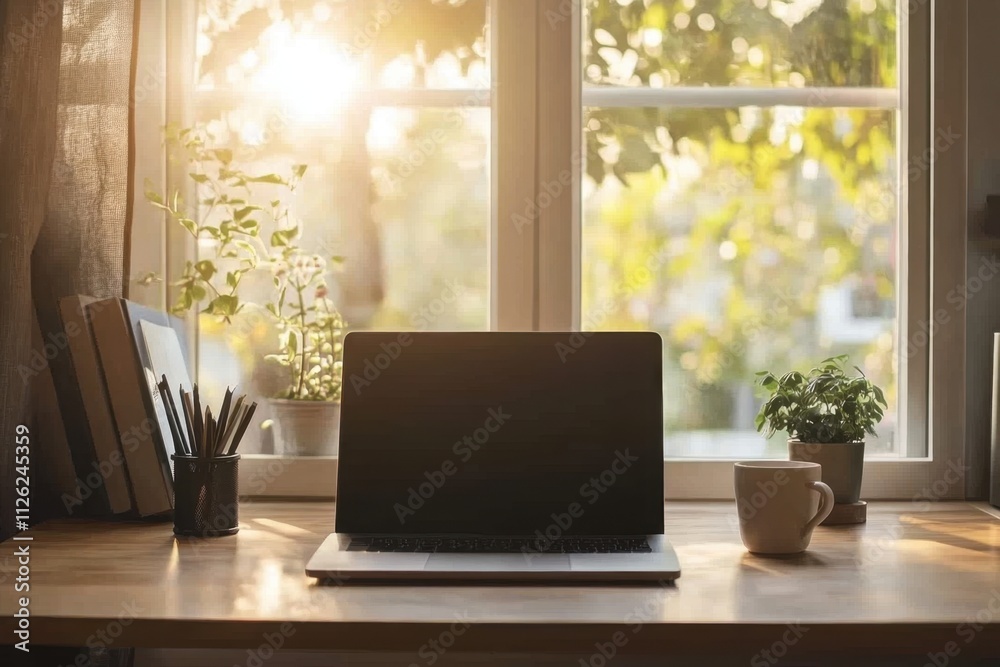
(664, 43)
(751, 239)
(399, 192)
(430, 168)
(309, 49)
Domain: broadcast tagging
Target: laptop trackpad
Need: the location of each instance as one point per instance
(497, 563)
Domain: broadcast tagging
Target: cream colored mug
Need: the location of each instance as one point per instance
(779, 503)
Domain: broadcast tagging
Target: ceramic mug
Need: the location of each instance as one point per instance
(779, 503)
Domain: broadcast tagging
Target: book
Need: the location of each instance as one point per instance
(136, 316)
(995, 426)
(106, 458)
(52, 461)
(124, 362)
(87, 496)
(167, 357)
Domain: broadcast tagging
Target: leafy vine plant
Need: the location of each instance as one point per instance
(825, 405)
(251, 236)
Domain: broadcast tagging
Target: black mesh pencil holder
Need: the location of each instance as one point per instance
(206, 495)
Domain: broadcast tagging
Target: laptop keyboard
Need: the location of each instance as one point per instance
(566, 545)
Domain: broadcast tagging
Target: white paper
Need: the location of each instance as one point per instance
(167, 358)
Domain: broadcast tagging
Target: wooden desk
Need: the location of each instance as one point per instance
(907, 582)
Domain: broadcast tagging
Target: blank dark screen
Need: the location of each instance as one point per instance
(501, 434)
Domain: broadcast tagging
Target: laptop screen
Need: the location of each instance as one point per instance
(496, 433)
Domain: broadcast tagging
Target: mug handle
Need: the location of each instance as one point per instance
(825, 505)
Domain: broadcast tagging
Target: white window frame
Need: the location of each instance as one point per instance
(535, 268)
(932, 255)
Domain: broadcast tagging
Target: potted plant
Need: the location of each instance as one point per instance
(249, 237)
(826, 414)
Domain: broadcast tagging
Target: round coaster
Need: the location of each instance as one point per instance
(847, 513)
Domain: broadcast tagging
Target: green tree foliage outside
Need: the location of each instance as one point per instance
(735, 232)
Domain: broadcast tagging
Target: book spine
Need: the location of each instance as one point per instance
(108, 461)
(136, 427)
(91, 492)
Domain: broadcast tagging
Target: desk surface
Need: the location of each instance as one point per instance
(909, 578)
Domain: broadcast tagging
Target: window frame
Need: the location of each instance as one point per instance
(535, 268)
(932, 256)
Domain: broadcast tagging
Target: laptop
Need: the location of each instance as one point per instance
(500, 456)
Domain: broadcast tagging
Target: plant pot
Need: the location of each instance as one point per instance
(306, 428)
(842, 462)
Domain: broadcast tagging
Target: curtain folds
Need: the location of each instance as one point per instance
(66, 73)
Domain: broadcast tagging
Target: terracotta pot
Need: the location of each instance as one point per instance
(306, 428)
(843, 465)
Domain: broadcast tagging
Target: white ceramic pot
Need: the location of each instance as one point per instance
(306, 428)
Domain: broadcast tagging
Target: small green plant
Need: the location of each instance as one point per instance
(248, 236)
(824, 405)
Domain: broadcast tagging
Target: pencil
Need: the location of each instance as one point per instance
(189, 420)
(223, 417)
(235, 416)
(172, 412)
(175, 435)
(208, 443)
(238, 436)
(199, 422)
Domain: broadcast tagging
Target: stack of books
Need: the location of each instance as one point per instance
(119, 351)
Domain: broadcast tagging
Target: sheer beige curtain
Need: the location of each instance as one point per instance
(66, 73)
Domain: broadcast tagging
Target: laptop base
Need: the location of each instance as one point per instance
(335, 563)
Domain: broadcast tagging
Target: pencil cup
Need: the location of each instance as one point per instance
(206, 495)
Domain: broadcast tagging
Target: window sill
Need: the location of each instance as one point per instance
(315, 477)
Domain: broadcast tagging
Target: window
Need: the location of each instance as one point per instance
(751, 179)
(387, 104)
(739, 197)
